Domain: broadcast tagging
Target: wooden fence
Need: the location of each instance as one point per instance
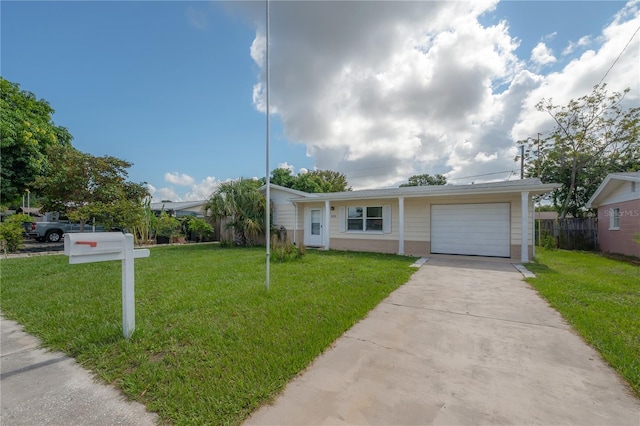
(570, 233)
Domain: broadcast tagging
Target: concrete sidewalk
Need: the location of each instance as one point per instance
(464, 342)
(38, 387)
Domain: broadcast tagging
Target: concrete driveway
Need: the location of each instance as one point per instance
(464, 342)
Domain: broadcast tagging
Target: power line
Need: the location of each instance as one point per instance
(616, 61)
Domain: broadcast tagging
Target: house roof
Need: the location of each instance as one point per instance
(177, 206)
(612, 182)
(533, 186)
(263, 188)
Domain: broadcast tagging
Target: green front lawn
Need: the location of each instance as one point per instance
(600, 298)
(211, 344)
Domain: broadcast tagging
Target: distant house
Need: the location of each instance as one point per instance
(182, 208)
(492, 219)
(618, 202)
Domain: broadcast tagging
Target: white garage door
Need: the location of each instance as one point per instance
(472, 229)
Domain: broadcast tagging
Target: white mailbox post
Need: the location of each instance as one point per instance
(103, 246)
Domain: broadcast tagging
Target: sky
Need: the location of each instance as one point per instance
(376, 90)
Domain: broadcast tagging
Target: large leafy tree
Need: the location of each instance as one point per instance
(242, 206)
(426, 180)
(26, 131)
(282, 177)
(85, 187)
(593, 136)
(315, 181)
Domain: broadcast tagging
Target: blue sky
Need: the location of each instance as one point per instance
(376, 90)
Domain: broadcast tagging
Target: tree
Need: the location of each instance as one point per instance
(85, 187)
(27, 130)
(243, 206)
(282, 177)
(426, 180)
(593, 136)
(315, 181)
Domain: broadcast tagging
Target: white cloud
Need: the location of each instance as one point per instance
(178, 179)
(202, 190)
(166, 194)
(152, 189)
(383, 90)
(542, 55)
(286, 165)
(579, 76)
(573, 46)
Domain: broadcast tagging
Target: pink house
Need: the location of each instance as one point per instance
(618, 202)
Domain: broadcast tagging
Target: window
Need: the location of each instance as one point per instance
(614, 218)
(364, 219)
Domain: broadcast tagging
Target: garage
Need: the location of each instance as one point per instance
(471, 229)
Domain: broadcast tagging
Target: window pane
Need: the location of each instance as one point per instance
(616, 218)
(374, 224)
(354, 225)
(374, 212)
(355, 212)
(315, 229)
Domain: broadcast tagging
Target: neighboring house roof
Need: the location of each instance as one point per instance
(546, 215)
(33, 211)
(612, 182)
(533, 186)
(177, 206)
(295, 192)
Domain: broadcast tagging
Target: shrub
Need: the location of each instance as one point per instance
(548, 242)
(200, 227)
(11, 231)
(167, 226)
(283, 251)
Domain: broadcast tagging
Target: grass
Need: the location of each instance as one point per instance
(211, 344)
(600, 298)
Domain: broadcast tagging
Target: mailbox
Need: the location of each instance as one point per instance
(96, 243)
(103, 246)
(99, 247)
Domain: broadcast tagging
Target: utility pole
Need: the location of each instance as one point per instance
(522, 161)
(268, 194)
(539, 199)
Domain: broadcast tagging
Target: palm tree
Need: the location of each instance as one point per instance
(243, 206)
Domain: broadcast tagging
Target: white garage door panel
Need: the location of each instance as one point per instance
(471, 229)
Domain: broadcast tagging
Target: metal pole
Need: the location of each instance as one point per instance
(540, 196)
(268, 179)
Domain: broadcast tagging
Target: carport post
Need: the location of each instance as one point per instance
(327, 219)
(401, 225)
(524, 237)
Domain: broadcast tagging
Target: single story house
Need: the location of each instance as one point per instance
(181, 208)
(618, 202)
(490, 219)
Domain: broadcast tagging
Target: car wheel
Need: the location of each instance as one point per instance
(53, 236)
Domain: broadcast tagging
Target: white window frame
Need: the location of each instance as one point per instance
(614, 218)
(365, 218)
(385, 219)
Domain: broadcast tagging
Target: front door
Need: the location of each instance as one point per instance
(315, 228)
